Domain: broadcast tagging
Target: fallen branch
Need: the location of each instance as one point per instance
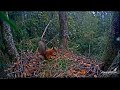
(45, 29)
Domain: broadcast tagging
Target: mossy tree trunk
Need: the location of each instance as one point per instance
(8, 39)
(113, 45)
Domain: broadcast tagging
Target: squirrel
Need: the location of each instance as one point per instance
(46, 53)
(42, 47)
(50, 52)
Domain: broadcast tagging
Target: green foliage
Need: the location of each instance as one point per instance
(63, 64)
(28, 44)
(88, 30)
(4, 17)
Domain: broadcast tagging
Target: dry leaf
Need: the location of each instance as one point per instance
(82, 72)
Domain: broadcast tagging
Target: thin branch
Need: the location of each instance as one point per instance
(52, 39)
(45, 29)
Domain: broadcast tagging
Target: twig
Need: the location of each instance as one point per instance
(45, 29)
(52, 39)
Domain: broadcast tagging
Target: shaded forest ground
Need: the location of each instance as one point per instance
(63, 64)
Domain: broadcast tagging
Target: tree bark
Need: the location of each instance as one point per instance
(8, 40)
(63, 29)
(114, 43)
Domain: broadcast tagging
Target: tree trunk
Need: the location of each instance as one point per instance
(8, 40)
(63, 29)
(113, 43)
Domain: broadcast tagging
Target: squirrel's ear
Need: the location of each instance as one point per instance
(52, 48)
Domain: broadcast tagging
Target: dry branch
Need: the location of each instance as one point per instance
(45, 29)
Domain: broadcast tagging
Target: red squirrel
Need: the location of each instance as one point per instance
(46, 53)
(50, 52)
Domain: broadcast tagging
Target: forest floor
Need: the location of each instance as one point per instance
(63, 64)
(67, 64)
